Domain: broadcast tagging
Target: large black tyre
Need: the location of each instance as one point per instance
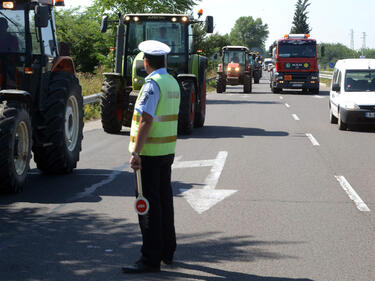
(112, 112)
(15, 147)
(247, 84)
(256, 77)
(220, 84)
(186, 114)
(128, 113)
(200, 104)
(59, 131)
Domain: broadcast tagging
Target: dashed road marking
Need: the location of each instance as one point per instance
(353, 195)
(295, 117)
(281, 97)
(287, 105)
(319, 97)
(312, 139)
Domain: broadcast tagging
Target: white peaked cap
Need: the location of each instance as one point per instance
(154, 48)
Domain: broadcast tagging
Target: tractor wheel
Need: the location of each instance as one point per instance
(15, 147)
(111, 112)
(187, 108)
(200, 104)
(256, 80)
(59, 131)
(220, 84)
(247, 85)
(128, 113)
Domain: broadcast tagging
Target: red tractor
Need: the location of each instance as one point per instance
(235, 69)
(40, 97)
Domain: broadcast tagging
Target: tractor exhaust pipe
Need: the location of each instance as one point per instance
(119, 45)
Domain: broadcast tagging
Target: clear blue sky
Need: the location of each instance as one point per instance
(330, 20)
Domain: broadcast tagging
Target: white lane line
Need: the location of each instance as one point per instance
(295, 117)
(312, 139)
(319, 97)
(281, 97)
(287, 105)
(353, 195)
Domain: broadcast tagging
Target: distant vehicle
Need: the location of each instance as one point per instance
(296, 64)
(234, 69)
(352, 95)
(270, 66)
(266, 62)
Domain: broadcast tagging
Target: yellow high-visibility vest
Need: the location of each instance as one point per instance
(162, 137)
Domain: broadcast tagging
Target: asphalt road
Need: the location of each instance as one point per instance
(267, 190)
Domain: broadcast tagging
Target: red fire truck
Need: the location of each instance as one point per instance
(296, 64)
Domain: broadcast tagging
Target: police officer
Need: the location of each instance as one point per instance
(152, 144)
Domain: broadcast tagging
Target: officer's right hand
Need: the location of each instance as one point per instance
(135, 162)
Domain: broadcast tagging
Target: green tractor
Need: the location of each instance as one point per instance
(41, 106)
(120, 88)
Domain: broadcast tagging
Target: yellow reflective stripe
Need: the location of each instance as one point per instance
(157, 140)
(161, 118)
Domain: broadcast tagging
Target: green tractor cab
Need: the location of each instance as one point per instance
(120, 88)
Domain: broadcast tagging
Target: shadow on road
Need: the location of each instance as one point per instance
(240, 102)
(213, 132)
(86, 245)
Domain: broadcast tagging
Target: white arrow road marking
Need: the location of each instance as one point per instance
(203, 199)
(353, 195)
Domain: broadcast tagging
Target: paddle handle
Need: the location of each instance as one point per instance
(139, 182)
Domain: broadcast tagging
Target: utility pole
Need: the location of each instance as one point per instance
(352, 39)
(364, 35)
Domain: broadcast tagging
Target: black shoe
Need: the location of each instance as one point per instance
(140, 267)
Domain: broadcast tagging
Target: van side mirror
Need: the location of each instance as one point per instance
(322, 51)
(41, 16)
(209, 24)
(104, 24)
(336, 87)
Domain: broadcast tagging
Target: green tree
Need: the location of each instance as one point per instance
(334, 52)
(215, 42)
(81, 31)
(249, 32)
(299, 24)
(144, 6)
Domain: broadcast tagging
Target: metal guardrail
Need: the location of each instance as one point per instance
(327, 76)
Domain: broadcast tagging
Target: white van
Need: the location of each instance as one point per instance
(352, 95)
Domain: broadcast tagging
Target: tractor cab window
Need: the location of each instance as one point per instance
(12, 31)
(172, 34)
(234, 57)
(297, 49)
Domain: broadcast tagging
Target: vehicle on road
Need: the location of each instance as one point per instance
(266, 62)
(41, 106)
(256, 66)
(352, 94)
(296, 64)
(120, 88)
(234, 69)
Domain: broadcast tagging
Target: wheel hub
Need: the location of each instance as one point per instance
(71, 123)
(21, 148)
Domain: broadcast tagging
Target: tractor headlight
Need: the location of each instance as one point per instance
(237, 69)
(229, 68)
(8, 5)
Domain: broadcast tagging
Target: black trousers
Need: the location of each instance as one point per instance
(157, 226)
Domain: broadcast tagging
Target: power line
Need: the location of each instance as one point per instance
(352, 39)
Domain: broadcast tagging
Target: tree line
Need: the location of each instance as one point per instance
(80, 29)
